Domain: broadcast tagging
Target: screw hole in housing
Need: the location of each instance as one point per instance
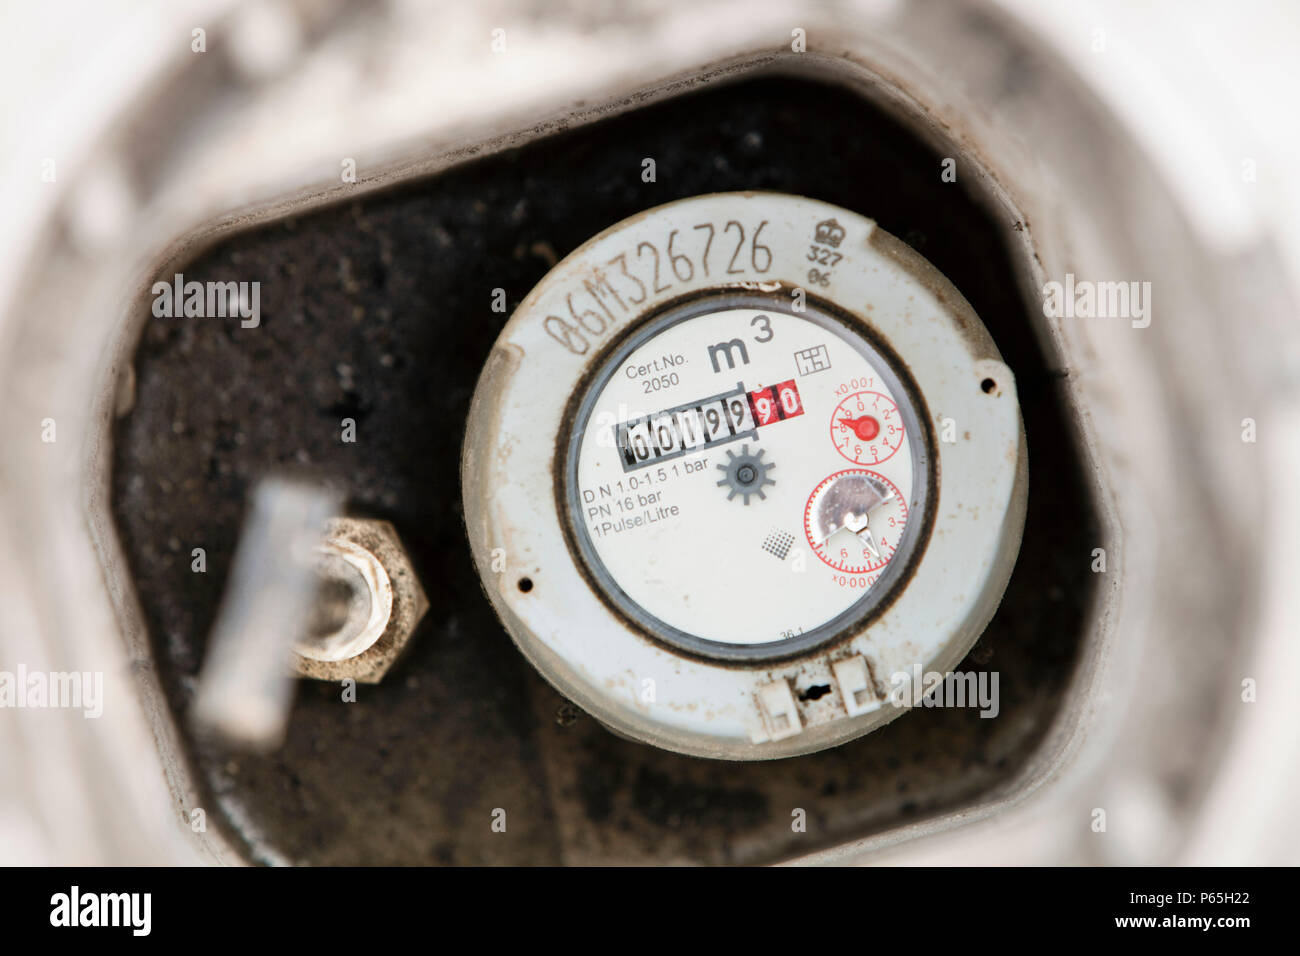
(988, 385)
(525, 584)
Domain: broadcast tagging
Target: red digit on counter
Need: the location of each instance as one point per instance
(775, 403)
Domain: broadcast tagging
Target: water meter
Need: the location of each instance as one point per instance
(735, 467)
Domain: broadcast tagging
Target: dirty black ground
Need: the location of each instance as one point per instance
(379, 310)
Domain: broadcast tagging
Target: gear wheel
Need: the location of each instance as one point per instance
(745, 474)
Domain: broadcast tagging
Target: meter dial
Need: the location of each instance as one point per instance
(692, 457)
(854, 521)
(867, 427)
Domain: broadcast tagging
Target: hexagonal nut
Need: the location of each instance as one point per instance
(369, 605)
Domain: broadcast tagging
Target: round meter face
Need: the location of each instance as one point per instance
(744, 481)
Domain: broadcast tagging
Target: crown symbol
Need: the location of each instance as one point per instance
(829, 233)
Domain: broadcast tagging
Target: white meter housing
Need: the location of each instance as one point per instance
(738, 464)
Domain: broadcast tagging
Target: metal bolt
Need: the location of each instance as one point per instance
(367, 605)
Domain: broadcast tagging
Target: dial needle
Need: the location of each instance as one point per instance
(865, 535)
(869, 543)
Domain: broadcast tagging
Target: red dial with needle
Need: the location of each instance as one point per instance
(866, 427)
